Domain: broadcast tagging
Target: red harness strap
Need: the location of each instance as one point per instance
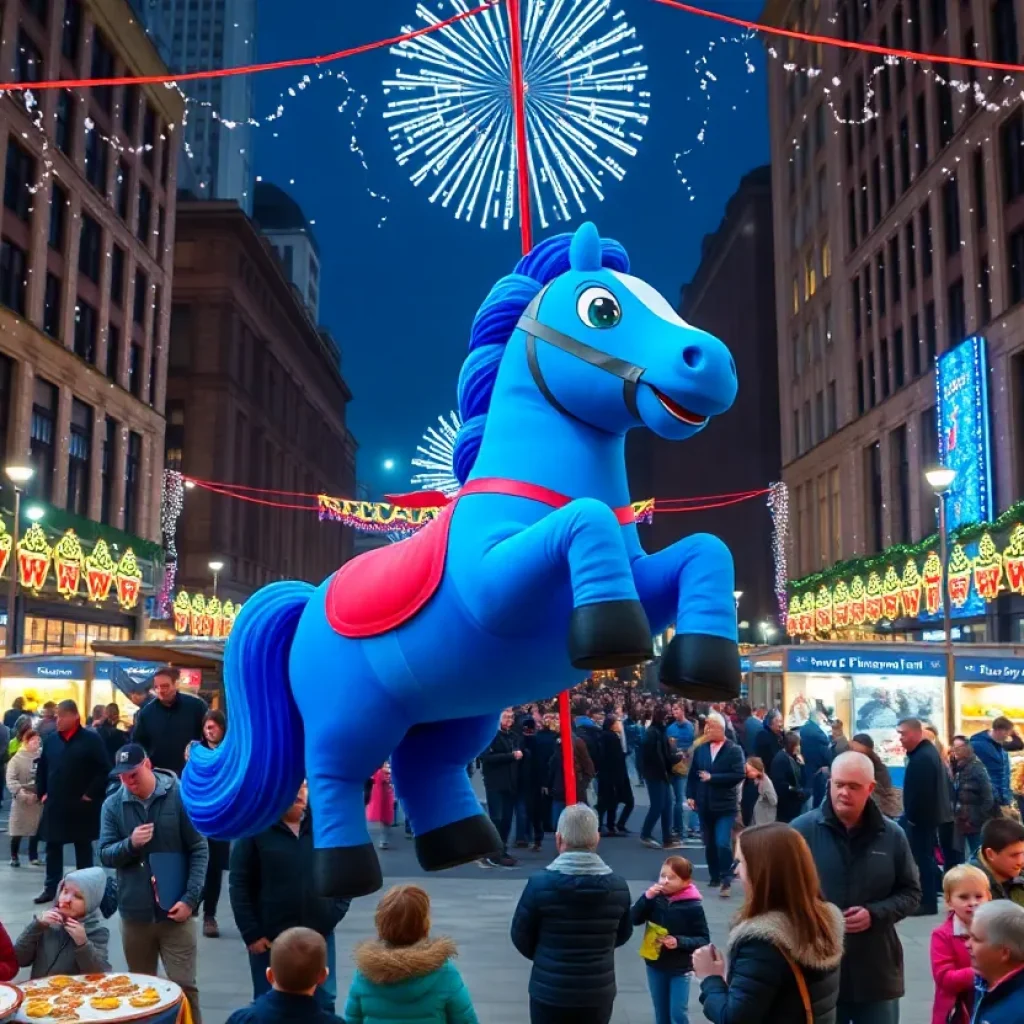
(499, 485)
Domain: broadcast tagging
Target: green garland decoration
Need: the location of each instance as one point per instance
(900, 552)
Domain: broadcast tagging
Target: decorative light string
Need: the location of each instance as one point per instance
(778, 503)
(170, 512)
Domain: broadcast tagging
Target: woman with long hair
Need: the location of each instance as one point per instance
(786, 944)
(786, 771)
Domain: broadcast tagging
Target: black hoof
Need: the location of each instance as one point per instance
(460, 842)
(609, 634)
(344, 872)
(701, 667)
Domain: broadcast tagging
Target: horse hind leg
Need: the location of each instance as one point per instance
(429, 771)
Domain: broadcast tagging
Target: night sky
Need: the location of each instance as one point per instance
(400, 298)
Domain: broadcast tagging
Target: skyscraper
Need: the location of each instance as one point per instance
(194, 36)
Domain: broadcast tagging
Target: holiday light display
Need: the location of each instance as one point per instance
(128, 579)
(99, 572)
(1013, 560)
(958, 576)
(778, 503)
(34, 556)
(873, 598)
(988, 568)
(6, 543)
(436, 458)
(910, 590)
(891, 590)
(450, 117)
(67, 563)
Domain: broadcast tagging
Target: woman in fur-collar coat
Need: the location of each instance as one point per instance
(786, 943)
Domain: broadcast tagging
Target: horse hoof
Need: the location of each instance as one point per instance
(701, 667)
(344, 872)
(609, 634)
(460, 842)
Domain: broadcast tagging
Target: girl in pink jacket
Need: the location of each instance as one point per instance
(965, 889)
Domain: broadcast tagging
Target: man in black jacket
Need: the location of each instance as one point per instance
(500, 762)
(270, 884)
(166, 726)
(712, 790)
(866, 869)
(926, 806)
(570, 920)
(71, 779)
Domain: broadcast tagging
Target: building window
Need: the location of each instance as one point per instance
(921, 130)
(835, 514)
(90, 248)
(6, 375)
(1011, 146)
(85, 331)
(930, 333)
(79, 458)
(883, 353)
(985, 289)
(117, 275)
(1004, 32)
(64, 133)
(51, 307)
(145, 214)
(861, 405)
(820, 431)
(929, 448)
(865, 225)
(96, 160)
(122, 186)
(13, 272)
(58, 217)
(826, 262)
(911, 255)
(880, 277)
(830, 409)
(872, 381)
(900, 466)
(956, 313)
(904, 155)
(130, 110)
(851, 217)
(175, 436)
(113, 352)
(107, 470)
(890, 169)
(876, 192)
(148, 137)
(951, 215)
(131, 482)
(869, 308)
(944, 105)
(19, 177)
(72, 30)
(135, 370)
(873, 493)
(917, 364)
(896, 282)
(898, 360)
(926, 240)
(102, 67)
(141, 292)
(978, 174)
(823, 531)
(42, 433)
(855, 304)
(28, 61)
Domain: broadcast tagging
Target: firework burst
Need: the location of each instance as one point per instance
(436, 452)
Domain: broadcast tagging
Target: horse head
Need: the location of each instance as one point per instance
(607, 349)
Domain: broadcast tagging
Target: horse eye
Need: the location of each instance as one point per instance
(597, 307)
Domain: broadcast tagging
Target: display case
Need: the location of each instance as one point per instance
(979, 703)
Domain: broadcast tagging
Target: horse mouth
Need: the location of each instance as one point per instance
(675, 410)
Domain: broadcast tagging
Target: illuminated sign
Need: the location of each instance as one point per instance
(961, 383)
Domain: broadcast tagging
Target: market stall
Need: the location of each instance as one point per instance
(108, 998)
(200, 662)
(762, 677)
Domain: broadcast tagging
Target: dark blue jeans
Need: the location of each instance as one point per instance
(923, 839)
(326, 995)
(660, 793)
(717, 831)
(670, 994)
(501, 807)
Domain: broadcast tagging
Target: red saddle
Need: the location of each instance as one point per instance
(385, 588)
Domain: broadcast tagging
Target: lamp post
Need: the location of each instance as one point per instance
(940, 480)
(767, 632)
(19, 476)
(215, 568)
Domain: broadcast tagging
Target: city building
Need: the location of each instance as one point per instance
(899, 233)
(86, 232)
(732, 296)
(195, 37)
(255, 397)
(284, 224)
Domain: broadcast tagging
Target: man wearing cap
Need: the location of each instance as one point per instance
(71, 777)
(161, 866)
(166, 727)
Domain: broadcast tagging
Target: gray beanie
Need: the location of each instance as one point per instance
(92, 883)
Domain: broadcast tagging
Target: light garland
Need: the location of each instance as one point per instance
(203, 616)
(171, 506)
(778, 503)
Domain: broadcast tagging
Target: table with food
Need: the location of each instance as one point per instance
(112, 998)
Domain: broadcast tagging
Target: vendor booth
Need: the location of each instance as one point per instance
(199, 661)
(762, 677)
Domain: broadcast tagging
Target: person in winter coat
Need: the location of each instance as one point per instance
(585, 773)
(590, 732)
(769, 741)
(71, 780)
(656, 759)
(990, 746)
(866, 869)
(380, 808)
(298, 969)
(271, 889)
(965, 888)
(973, 799)
(816, 749)
(997, 951)
(500, 762)
(532, 780)
(787, 774)
(673, 905)
(888, 798)
(167, 726)
(784, 934)
(405, 975)
(613, 785)
(26, 810)
(14, 712)
(1001, 857)
(68, 938)
(570, 920)
(8, 959)
(759, 802)
(926, 806)
(712, 787)
(110, 731)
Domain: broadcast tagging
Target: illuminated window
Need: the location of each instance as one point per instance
(835, 505)
(810, 278)
(796, 295)
(826, 260)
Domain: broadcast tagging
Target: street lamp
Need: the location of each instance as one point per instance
(19, 476)
(940, 480)
(216, 567)
(34, 513)
(767, 632)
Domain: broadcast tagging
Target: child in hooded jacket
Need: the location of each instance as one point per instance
(405, 975)
(68, 938)
(965, 888)
(673, 904)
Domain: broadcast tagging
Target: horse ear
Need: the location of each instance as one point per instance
(585, 249)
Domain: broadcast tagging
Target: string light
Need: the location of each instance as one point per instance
(171, 506)
(778, 503)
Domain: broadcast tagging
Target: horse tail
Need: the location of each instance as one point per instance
(249, 781)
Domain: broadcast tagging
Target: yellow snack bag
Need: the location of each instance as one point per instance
(650, 949)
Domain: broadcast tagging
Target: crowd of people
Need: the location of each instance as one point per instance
(830, 854)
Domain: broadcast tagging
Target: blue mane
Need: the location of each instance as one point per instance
(494, 324)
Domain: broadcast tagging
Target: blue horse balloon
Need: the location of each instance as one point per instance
(531, 577)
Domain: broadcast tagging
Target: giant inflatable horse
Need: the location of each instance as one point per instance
(530, 577)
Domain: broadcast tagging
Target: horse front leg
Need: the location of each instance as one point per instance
(691, 583)
(608, 628)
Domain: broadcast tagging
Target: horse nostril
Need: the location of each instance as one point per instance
(693, 357)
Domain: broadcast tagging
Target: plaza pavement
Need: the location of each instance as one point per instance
(474, 906)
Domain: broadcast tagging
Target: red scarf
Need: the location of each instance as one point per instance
(65, 735)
